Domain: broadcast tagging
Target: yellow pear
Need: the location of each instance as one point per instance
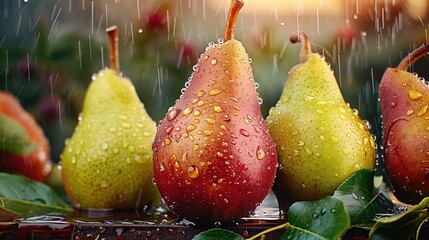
(320, 140)
(107, 163)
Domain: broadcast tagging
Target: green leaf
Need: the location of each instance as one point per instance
(29, 198)
(404, 224)
(218, 234)
(323, 219)
(357, 193)
(13, 137)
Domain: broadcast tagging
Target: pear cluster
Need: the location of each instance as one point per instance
(214, 158)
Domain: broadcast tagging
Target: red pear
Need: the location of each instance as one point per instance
(214, 160)
(35, 164)
(404, 100)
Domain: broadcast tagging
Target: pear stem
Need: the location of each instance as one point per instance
(113, 47)
(305, 47)
(414, 56)
(232, 18)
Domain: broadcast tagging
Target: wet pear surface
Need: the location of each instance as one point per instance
(107, 163)
(214, 159)
(404, 103)
(320, 140)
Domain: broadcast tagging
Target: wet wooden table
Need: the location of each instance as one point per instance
(157, 223)
(119, 225)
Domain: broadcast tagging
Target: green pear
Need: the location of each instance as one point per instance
(107, 163)
(320, 140)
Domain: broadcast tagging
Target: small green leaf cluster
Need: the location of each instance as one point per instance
(354, 204)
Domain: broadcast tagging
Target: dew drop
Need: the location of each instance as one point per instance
(193, 172)
(256, 85)
(213, 61)
(207, 132)
(191, 127)
(161, 167)
(197, 113)
(233, 135)
(217, 109)
(214, 92)
(200, 103)
(188, 110)
(168, 130)
(414, 95)
(233, 99)
(131, 149)
(257, 128)
(177, 164)
(210, 121)
(244, 132)
(260, 154)
(104, 146)
(173, 114)
(422, 110)
(393, 104)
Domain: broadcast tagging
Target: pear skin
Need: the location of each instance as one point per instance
(214, 160)
(107, 163)
(404, 103)
(320, 140)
